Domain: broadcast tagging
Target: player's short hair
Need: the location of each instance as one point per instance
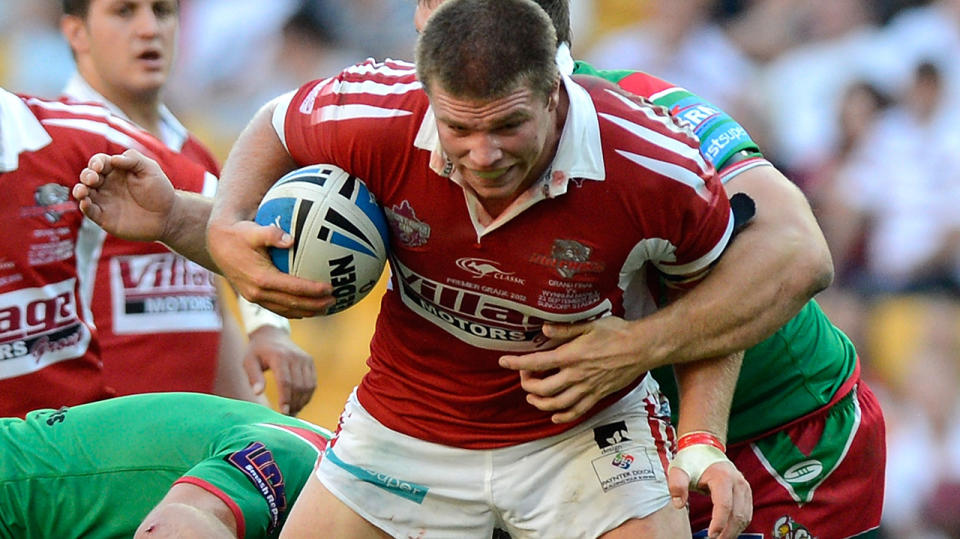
(483, 50)
(80, 8)
(559, 12)
(77, 8)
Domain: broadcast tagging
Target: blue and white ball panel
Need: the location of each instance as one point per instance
(340, 233)
(278, 212)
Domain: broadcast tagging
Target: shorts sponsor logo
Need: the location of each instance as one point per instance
(40, 326)
(611, 434)
(623, 460)
(410, 231)
(257, 463)
(624, 467)
(162, 292)
(787, 528)
(403, 488)
(803, 472)
(568, 257)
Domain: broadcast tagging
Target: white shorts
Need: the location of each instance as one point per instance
(580, 483)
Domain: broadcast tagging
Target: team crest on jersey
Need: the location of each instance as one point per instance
(568, 257)
(409, 230)
(257, 463)
(53, 200)
(787, 528)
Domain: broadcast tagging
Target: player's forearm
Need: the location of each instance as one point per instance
(256, 161)
(187, 235)
(766, 275)
(706, 391)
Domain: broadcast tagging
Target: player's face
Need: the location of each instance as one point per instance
(131, 43)
(499, 147)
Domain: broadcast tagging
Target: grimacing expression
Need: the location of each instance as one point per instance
(498, 146)
(131, 44)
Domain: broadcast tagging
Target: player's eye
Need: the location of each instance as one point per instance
(164, 9)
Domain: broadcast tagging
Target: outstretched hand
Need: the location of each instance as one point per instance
(128, 195)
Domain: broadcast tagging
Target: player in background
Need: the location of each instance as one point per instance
(162, 326)
(153, 466)
(806, 431)
(49, 351)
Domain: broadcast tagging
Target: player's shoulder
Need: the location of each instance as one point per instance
(637, 116)
(387, 84)
(640, 83)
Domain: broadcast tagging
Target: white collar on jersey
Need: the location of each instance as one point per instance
(565, 59)
(579, 153)
(20, 131)
(172, 132)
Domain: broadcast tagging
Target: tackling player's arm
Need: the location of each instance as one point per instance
(781, 260)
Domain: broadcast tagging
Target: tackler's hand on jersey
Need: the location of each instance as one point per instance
(592, 360)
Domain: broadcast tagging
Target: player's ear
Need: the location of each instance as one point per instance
(553, 100)
(75, 31)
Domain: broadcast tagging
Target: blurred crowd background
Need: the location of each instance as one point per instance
(857, 101)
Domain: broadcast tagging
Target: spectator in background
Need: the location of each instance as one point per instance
(33, 56)
(681, 43)
(798, 91)
(162, 326)
(924, 430)
(901, 193)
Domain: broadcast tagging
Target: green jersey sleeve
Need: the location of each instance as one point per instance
(723, 141)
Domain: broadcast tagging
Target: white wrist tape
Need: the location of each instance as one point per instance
(255, 317)
(695, 459)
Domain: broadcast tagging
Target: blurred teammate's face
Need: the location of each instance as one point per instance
(125, 46)
(499, 147)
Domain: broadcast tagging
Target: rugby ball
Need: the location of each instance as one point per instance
(340, 235)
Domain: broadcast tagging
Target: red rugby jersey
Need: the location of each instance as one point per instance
(156, 312)
(49, 353)
(627, 191)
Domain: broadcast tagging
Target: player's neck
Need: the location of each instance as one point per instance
(141, 108)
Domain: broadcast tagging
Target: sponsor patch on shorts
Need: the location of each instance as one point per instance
(628, 463)
(405, 489)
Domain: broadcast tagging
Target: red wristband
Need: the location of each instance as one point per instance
(700, 437)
